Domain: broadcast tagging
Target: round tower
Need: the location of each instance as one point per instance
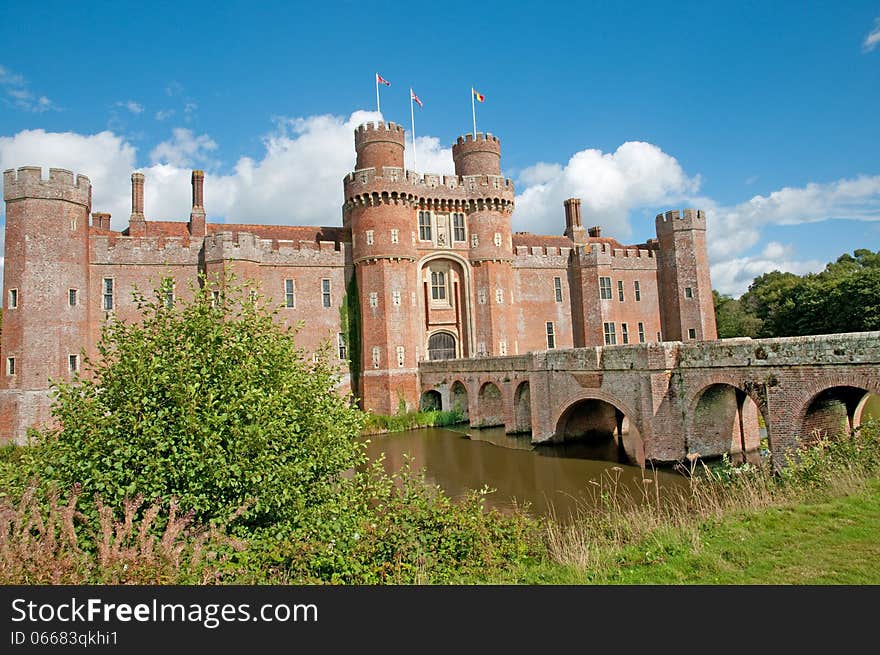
(378, 145)
(45, 318)
(477, 156)
(379, 210)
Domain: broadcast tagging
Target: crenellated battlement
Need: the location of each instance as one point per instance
(469, 138)
(480, 155)
(556, 257)
(243, 246)
(62, 184)
(364, 129)
(686, 219)
(143, 250)
(603, 254)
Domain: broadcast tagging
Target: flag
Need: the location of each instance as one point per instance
(412, 94)
(382, 80)
(479, 96)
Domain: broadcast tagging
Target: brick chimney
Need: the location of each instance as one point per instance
(137, 223)
(574, 228)
(595, 231)
(101, 220)
(197, 215)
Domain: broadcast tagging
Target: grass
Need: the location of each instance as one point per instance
(381, 423)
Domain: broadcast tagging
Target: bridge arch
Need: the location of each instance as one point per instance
(601, 419)
(722, 418)
(458, 398)
(522, 408)
(833, 404)
(431, 399)
(490, 403)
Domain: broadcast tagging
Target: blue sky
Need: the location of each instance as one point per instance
(765, 114)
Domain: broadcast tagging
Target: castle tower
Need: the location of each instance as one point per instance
(686, 305)
(46, 282)
(478, 162)
(382, 219)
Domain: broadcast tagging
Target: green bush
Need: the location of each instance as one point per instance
(209, 402)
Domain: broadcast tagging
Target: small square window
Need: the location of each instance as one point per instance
(289, 293)
(107, 299)
(325, 292)
(692, 333)
(641, 333)
(620, 290)
(551, 335)
(624, 333)
(343, 349)
(638, 291)
(73, 363)
(557, 288)
(10, 366)
(688, 292)
(215, 298)
(13, 298)
(72, 297)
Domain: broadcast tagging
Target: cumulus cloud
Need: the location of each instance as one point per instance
(184, 149)
(733, 276)
(162, 114)
(610, 185)
(873, 39)
(17, 93)
(132, 106)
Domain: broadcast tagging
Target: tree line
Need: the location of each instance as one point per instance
(844, 297)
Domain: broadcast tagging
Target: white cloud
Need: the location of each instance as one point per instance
(184, 149)
(610, 185)
(18, 95)
(873, 39)
(733, 276)
(132, 106)
(162, 114)
(432, 157)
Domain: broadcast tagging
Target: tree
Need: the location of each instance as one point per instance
(732, 319)
(210, 402)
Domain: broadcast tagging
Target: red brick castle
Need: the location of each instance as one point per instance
(426, 267)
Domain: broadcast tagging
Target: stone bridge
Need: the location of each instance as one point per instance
(663, 401)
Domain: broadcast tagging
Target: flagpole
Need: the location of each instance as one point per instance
(474, 112)
(412, 115)
(378, 111)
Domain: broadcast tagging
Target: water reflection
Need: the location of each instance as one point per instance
(548, 478)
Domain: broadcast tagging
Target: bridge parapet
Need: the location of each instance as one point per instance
(825, 349)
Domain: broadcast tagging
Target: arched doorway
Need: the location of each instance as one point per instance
(522, 408)
(600, 430)
(441, 345)
(724, 421)
(491, 406)
(832, 412)
(431, 400)
(459, 397)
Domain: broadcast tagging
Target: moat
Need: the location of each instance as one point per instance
(550, 479)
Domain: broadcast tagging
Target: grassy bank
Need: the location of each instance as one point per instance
(435, 418)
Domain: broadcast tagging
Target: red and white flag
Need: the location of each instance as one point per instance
(412, 94)
(382, 80)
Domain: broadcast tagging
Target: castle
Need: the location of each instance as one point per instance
(426, 264)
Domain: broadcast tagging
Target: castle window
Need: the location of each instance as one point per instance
(475, 241)
(499, 296)
(375, 356)
(325, 292)
(620, 290)
(458, 227)
(425, 226)
(289, 293)
(605, 288)
(692, 333)
(610, 334)
(638, 291)
(369, 237)
(108, 294)
(73, 363)
(395, 298)
(624, 332)
(215, 298)
(72, 297)
(557, 288)
(481, 349)
(497, 239)
(551, 335)
(340, 342)
(502, 347)
(481, 296)
(412, 298)
(658, 338)
(168, 292)
(438, 285)
(374, 299)
(10, 366)
(641, 333)
(688, 292)
(400, 356)
(395, 235)
(13, 298)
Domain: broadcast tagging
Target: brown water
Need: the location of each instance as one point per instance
(550, 479)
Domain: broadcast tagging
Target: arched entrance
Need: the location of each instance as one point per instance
(522, 408)
(600, 430)
(459, 398)
(431, 400)
(491, 406)
(724, 421)
(832, 412)
(441, 345)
